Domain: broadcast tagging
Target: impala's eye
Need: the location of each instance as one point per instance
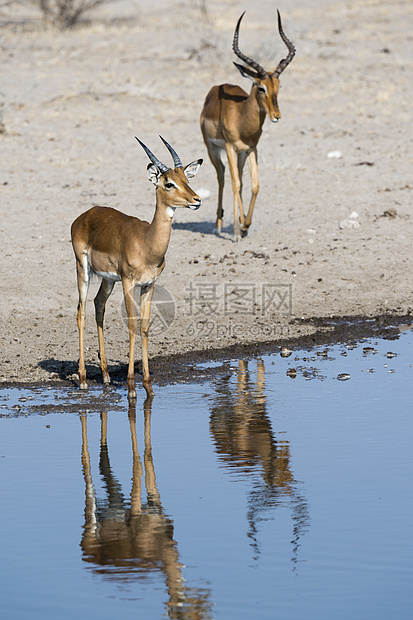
(262, 89)
(170, 185)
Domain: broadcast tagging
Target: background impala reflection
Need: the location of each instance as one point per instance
(243, 438)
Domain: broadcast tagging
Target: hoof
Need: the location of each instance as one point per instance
(148, 387)
(244, 232)
(132, 395)
(83, 385)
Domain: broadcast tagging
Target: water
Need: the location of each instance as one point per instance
(279, 488)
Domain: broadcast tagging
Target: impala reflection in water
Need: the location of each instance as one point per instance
(128, 540)
(244, 440)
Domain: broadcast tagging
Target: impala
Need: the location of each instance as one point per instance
(119, 247)
(232, 120)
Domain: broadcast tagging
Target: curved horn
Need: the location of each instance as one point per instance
(152, 157)
(175, 156)
(291, 50)
(249, 61)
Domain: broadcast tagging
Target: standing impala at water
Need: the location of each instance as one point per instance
(119, 247)
(232, 120)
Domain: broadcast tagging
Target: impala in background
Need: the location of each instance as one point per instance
(119, 247)
(232, 120)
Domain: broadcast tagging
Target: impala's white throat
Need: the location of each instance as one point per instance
(171, 211)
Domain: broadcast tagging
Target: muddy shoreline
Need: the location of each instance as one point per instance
(185, 367)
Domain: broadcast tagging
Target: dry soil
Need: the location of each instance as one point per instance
(329, 253)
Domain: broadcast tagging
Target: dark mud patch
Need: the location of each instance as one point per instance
(201, 365)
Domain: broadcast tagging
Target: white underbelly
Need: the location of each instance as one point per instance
(108, 275)
(148, 282)
(114, 277)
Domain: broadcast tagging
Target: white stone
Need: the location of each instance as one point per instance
(349, 224)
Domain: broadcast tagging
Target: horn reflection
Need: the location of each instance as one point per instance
(129, 540)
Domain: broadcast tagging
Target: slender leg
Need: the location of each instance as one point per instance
(101, 298)
(241, 158)
(253, 167)
(236, 186)
(146, 300)
(215, 157)
(221, 182)
(128, 289)
(83, 287)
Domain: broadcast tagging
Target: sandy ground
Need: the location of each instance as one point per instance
(332, 232)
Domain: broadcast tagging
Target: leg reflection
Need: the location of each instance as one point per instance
(128, 539)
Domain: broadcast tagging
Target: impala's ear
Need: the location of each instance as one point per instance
(247, 72)
(191, 169)
(154, 174)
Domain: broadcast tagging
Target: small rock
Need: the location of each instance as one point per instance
(349, 224)
(285, 352)
(369, 350)
(334, 154)
(343, 376)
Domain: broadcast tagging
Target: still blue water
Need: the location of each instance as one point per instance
(279, 488)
